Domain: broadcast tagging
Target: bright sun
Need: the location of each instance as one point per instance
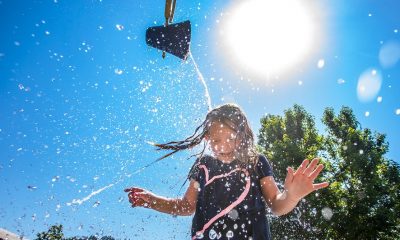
(268, 36)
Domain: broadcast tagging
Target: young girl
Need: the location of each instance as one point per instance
(227, 188)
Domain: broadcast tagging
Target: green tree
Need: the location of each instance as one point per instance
(55, 232)
(287, 141)
(362, 200)
(365, 186)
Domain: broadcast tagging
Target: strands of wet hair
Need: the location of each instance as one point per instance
(232, 116)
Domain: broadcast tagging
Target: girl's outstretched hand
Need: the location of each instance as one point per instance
(301, 183)
(139, 197)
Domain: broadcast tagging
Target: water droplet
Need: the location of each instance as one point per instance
(341, 81)
(96, 204)
(327, 213)
(118, 71)
(366, 114)
(398, 111)
(119, 27)
(233, 214)
(379, 99)
(229, 234)
(321, 63)
(212, 234)
(199, 236)
(55, 178)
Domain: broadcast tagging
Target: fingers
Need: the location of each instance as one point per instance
(289, 176)
(316, 172)
(136, 201)
(137, 196)
(311, 167)
(302, 167)
(134, 189)
(320, 185)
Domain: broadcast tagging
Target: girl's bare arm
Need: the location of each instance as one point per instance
(184, 206)
(297, 185)
(280, 203)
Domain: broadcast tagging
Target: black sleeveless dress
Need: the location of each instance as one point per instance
(230, 204)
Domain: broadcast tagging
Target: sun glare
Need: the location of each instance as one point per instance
(268, 36)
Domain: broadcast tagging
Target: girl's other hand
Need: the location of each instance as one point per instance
(139, 197)
(301, 183)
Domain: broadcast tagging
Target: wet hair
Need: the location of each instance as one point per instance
(230, 115)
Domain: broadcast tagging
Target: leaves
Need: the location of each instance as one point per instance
(364, 185)
(55, 232)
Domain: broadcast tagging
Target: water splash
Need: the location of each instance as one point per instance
(118, 71)
(201, 79)
(80, 201)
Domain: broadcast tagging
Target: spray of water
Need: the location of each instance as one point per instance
(94, 193)
(201, 79)
(80, 201)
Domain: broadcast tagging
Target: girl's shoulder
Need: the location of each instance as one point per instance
(204, 159)
(262, 160)
(194, 172)
(263, 166)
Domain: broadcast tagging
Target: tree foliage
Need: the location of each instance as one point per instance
(55, 232)
(362, 199)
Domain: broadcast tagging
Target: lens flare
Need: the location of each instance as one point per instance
(389, 54)
(369, 84)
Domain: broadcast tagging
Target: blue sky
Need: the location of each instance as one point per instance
(80, 95)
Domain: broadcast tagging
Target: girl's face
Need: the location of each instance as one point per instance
(223, 141)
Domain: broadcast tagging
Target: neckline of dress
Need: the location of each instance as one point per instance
(234, 161)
